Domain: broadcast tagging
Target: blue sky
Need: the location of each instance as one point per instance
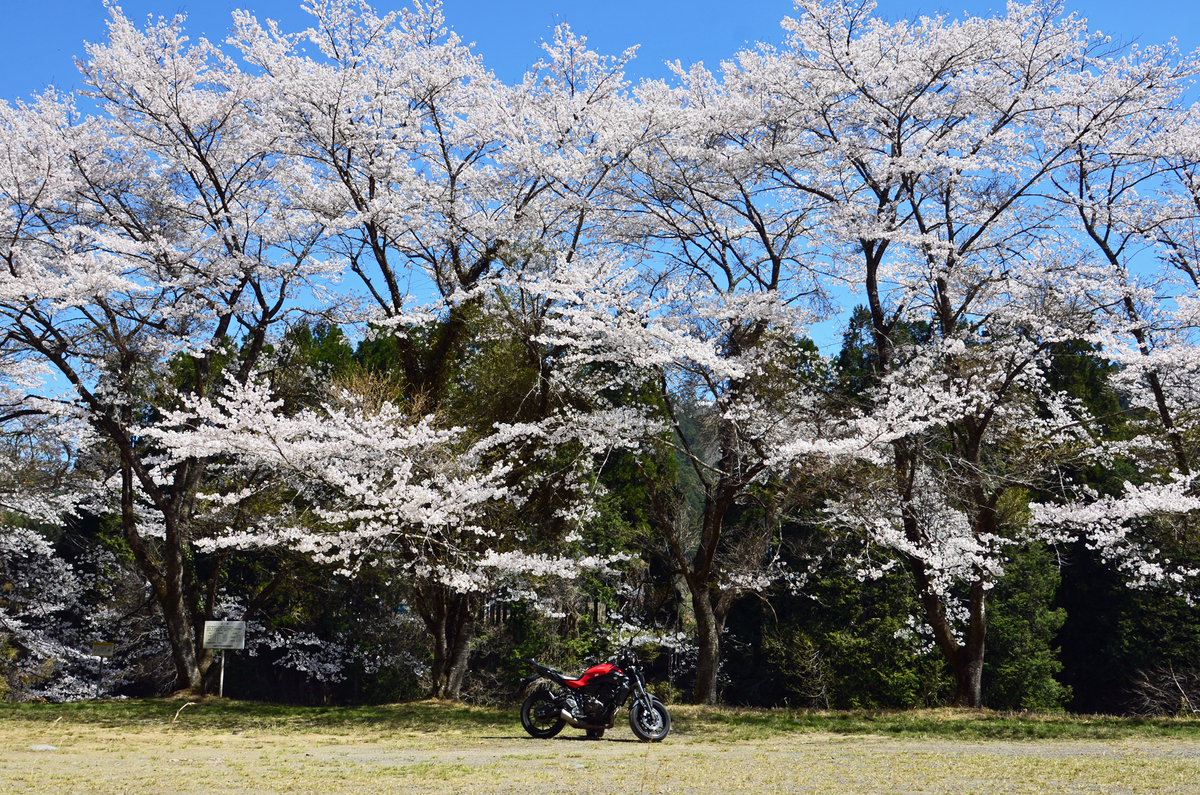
(39, 40)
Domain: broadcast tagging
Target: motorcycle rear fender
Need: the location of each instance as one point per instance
(543, 671)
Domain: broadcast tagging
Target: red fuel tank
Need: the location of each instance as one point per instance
(590, 674)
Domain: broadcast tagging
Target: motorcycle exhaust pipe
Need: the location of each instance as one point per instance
(571, 721)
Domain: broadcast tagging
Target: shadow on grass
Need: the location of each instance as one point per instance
(217, 714)
(699, 723)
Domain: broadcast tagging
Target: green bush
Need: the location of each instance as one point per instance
(1021, 662)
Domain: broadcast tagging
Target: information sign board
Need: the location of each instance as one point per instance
(103, 649)
(224, 634)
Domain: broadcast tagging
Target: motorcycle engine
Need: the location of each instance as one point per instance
(607, 693)
(592, 705)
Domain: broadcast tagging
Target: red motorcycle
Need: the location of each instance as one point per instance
(591, 701)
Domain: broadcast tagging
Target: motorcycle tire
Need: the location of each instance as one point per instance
(540, 717)
(650, 725)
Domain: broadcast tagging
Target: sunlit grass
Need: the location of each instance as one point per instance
(706, 723)
(944, 723)
(234, 715)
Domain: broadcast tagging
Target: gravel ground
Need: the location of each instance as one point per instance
(87, 758)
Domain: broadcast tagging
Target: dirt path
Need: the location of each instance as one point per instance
(93, 759)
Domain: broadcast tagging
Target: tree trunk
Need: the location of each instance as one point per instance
(450, 624)
(176, 612)
(968, 672)
(433, 613)
(460, 652)
(708, 638)
(168, 585)
(966, 659)
(210, 674)
(183, 641)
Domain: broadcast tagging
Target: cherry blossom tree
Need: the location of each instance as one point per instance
(40, 621)
(371, 485)
(1133, 197)
(437, 186)
(722, 314)
(717, 332)
(930, 145)
(155, 232)
(52, 608)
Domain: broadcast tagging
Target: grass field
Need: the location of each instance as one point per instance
(214, 746)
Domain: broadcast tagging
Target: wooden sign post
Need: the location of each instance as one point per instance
(224, 635)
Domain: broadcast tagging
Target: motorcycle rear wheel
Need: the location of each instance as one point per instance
(540, 716)
(650, 725)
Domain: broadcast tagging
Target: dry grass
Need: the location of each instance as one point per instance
(216, 747)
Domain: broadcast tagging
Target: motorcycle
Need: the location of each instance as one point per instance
(591, 701)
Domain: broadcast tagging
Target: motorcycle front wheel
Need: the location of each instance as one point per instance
(540, 715)
(650, 725)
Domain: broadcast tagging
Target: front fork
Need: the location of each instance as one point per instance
(641, 694)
